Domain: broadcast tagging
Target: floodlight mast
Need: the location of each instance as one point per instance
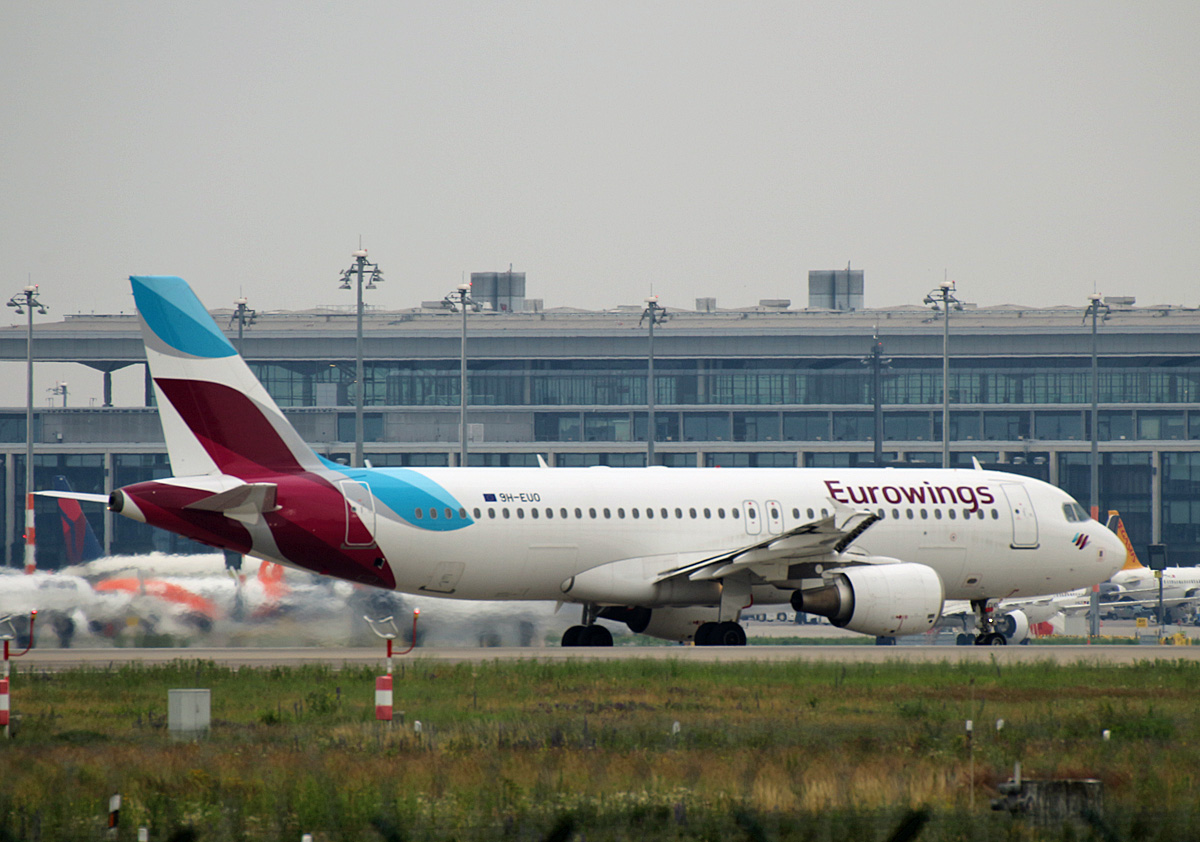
(653, 314)
(460, 298)
(24, 303)
(359, 268)
(943, 299)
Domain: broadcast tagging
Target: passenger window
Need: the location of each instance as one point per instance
(563, 514)
(591, 513)
(549, 514)
(824, 512)
(504, 512)
(708, 513)
(995, 514)
(462, 513)
(478, 514)
(650, 513)
(492, 514)
(811, 515)
(774, 514)
(578, 514)
(533, 513)
(937, 513)
(521, 513)
(721, 513)
(953, 514)
(449, 514)
(749, 513)
(924, 514)
(910, 514)
(433, 513)
(895, 514)
(607, 514)
(419, 514)
(636, 513)
(678, 514)
(693, 513)
(737, 515)
(620, 512)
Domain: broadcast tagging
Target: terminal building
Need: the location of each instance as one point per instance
(766, 386)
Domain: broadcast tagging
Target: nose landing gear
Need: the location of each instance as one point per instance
(985, 618)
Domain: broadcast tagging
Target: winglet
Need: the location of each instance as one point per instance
(541, 462)
(1116, 525)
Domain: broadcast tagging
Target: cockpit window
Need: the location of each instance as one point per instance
(1074, 512)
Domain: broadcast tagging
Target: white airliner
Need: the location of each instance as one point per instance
(673, 553)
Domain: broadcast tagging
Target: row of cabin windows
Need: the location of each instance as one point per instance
(664, 514)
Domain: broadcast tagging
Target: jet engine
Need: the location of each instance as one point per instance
(1014, 625)
(878, 599)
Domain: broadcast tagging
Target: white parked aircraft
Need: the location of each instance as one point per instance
(673, 553)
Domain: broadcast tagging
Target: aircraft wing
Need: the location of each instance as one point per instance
(818, 538)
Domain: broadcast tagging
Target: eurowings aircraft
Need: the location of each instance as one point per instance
(673, 553)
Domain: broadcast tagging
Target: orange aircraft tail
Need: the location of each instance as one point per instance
(1117, 526)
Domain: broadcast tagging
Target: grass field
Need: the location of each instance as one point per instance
(518, 750)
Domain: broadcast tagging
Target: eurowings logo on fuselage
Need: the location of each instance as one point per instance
(1081, 540)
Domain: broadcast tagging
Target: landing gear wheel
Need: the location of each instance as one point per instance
(720, 634)
(991, 639)
(587, 636)
(729, 634)
(574, 636)
(597, 636)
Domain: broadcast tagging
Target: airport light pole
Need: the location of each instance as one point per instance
(359, 268)
(24, 302)
(460, 298)
(653, 314)
(943, 299)
(244, 316)
(1098, 310)
(877, 363)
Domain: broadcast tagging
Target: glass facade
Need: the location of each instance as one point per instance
(616, 382)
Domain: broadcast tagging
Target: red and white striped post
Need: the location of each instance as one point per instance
(30, 535)
(4, 697)
(7, 633)
(383, 697)
(386, 628)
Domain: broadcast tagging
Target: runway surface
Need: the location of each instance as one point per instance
(60, 659)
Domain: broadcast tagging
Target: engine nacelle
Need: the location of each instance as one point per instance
(884, 600)
(663, 623)
(1014, 625)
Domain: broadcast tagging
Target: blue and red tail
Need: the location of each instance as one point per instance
(81, 543)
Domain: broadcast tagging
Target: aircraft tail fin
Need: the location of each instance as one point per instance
(1131, 558)
(216, 417)
(78, 537)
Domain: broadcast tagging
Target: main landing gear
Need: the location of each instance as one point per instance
(720, 634)
(588, 634)
(985, 618)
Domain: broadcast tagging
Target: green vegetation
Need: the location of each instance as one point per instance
(516, 750)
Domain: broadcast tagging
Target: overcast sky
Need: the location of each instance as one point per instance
(1030, 151)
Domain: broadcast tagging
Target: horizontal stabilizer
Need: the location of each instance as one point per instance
(75, 495)
(244, 499)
